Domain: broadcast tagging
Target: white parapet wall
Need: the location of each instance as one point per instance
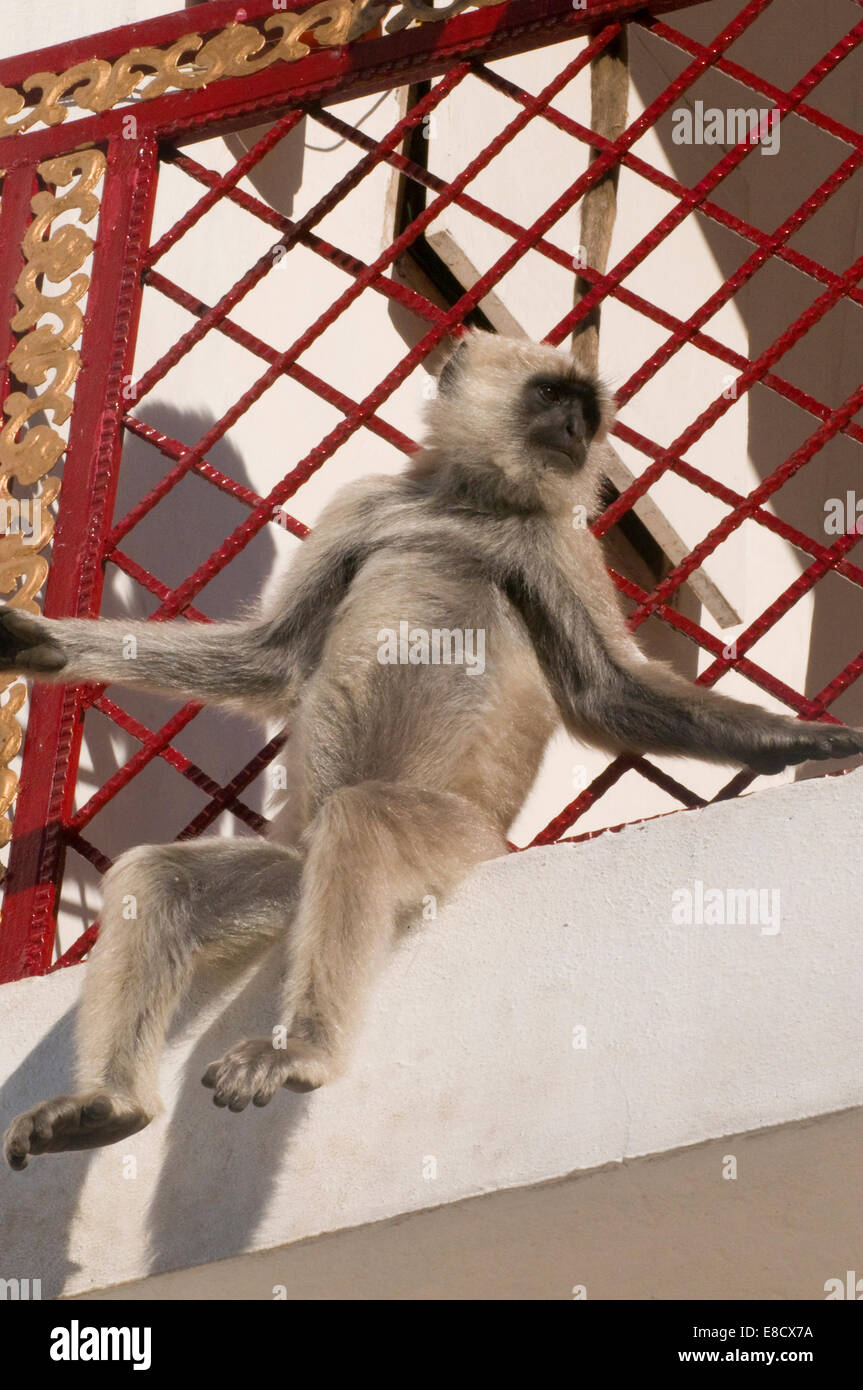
(554, 1018)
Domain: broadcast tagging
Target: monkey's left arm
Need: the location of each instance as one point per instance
(604, 686)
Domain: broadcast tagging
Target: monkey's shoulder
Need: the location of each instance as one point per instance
(361, 498)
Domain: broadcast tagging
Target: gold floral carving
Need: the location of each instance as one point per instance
(45, 356)
(192, 61)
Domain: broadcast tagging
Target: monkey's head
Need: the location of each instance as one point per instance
(517, 418)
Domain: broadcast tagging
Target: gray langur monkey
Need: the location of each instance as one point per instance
(401, 777)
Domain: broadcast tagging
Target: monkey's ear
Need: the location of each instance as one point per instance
(451, 368)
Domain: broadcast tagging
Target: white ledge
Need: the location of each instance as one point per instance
(466, 1079)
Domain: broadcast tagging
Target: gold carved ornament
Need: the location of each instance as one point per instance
(44, 356)
(191, 62)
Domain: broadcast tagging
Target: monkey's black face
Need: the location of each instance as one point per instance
(561, 415)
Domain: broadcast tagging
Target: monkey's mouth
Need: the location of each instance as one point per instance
(562, 459)
(559, 448)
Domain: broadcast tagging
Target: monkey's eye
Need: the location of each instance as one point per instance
(551, 395)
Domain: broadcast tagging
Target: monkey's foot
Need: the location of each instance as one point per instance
(255, 1069)
(86, 1121)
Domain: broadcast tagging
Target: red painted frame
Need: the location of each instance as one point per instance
(44, 819)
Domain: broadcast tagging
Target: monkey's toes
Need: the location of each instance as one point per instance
(86, 1121)
(254, 1070)
(241, 1075)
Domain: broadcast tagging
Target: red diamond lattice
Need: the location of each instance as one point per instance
(126, 265)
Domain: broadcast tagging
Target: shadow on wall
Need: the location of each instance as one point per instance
(781, 46)
(207, 1151)
(279, 176)
(171, 541)
(42, 1187)
(195, 1218)
(216, 1170)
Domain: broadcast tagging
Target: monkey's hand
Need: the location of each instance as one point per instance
(798, 742)
(26, 646)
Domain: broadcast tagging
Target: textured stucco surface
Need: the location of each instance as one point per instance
(466, 1079)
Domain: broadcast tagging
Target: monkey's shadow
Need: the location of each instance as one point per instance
(37, 1209)
(170, 542)
(218, 1169)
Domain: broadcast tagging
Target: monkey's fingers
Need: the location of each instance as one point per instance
(25, 646)
(833, 741)
(805, 743)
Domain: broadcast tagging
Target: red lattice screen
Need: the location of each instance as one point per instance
(225, 80)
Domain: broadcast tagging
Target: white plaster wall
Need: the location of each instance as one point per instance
(466, 1068)
(41, 23)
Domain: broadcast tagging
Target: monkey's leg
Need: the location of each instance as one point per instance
(164, 907)
(374, 850)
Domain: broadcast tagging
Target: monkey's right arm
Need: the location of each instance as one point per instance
(218, 662)
(635, 704)
(253, 664)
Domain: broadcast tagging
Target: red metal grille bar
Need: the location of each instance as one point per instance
(315, 459)
(561, 257)
(74, 586)
(328, 74)
(283, 93)
(318, 456)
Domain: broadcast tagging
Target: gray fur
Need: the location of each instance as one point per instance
(401, 777)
